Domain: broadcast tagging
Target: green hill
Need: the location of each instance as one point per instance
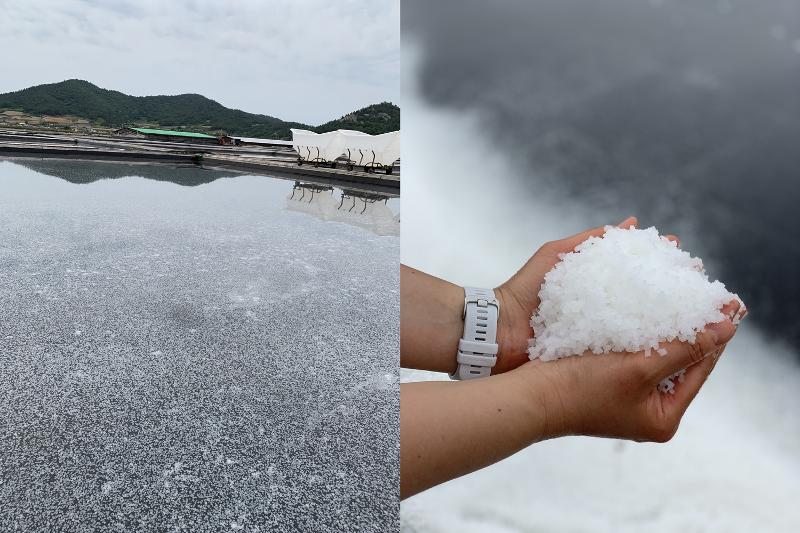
(374, 119)
(185, 111)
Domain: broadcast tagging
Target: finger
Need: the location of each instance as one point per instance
(682, 355)
(692, 381)
(731, 309)
(628, 222)
(736, 311)
(674, 239)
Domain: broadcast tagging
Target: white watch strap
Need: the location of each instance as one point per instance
(477, 350)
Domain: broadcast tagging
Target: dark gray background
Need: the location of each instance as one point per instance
(686, 113)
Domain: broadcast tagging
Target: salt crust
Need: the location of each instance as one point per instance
(627, 291)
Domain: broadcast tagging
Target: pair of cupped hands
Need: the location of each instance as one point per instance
(606, 395)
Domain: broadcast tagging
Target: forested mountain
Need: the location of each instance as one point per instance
(374, 119)
(186, 111)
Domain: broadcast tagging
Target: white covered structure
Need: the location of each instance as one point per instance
(359, 149)
(377, 151)
(317, 147)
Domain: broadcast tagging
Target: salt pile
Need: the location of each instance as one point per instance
(626, 291)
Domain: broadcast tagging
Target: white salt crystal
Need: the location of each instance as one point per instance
(627, 291)
(667, 384)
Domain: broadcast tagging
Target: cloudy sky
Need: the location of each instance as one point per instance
(304, 60)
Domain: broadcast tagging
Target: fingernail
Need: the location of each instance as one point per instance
(720, 332)
(739, 316)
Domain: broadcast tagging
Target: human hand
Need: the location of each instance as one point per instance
(605, 395)
(519, 297)
(615, 394)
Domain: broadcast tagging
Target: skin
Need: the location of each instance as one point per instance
(448, 429)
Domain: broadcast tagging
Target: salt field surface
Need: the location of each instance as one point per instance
(198, 358)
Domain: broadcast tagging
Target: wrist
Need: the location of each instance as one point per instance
(447, 329)
(513, 331)
(544, 391)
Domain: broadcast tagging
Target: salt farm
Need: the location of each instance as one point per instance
(196, 348)
(277, 158)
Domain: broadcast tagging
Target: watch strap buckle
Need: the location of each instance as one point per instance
(480, 301)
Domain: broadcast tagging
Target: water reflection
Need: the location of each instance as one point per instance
(366, 210)
(77, 171)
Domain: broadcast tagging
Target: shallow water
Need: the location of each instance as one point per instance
(200, 358)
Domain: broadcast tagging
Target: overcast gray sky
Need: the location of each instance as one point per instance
(305, 60)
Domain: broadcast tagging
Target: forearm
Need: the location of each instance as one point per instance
(448, 429)
(430, 321)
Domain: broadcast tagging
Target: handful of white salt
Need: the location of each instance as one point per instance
(626, 291)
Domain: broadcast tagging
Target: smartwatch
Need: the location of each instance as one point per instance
(477, 349)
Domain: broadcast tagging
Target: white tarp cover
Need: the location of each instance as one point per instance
(334, 147)
(385, 146)
(303, 139)
(308, 144)
(331, 145)
(391, 152)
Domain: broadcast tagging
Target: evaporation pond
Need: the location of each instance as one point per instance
(188, 349)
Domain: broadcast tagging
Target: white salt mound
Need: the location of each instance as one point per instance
(624, 292)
